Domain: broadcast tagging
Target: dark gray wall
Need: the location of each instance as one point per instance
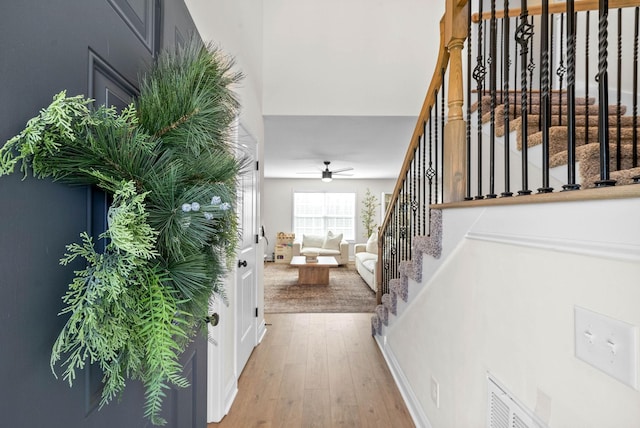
(96, 48)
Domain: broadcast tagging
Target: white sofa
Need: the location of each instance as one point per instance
(367, 260)
(330, 245)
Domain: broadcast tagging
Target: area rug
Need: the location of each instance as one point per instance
(346, 292)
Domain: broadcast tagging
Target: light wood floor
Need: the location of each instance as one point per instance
(317, 370)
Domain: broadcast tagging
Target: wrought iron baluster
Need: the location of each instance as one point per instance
(424, 169)
(586, 78)
(415, 227)
(562, 70)
(603, 95)
(636, 20)
(507, 100)
(618, 101)
(439, 163)
(551, 52)
(416, 191)
(523, 34)
(531, 67)
(502, 59)
(468, 102)
(492, 91)
(405, 232)
(545, 96)
(515, 73)
(430, 171)
(478, 75)
(571, 98)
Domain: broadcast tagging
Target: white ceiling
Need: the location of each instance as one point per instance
(374, 146)
(344, 81)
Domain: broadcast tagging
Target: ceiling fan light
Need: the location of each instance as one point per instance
(326, 176)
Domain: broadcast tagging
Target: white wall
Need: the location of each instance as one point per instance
(503, 303)
(278, 201)
(350, 58)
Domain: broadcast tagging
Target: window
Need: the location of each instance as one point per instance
(317, 213)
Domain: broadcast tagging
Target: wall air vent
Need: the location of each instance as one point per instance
(505, 412)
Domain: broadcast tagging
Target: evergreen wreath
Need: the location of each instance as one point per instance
(170, 166)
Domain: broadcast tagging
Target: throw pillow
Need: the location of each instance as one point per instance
(314, 241)
(372, 243)
(332, 242)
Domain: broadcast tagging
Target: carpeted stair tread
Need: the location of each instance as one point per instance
(383, 314)
(535, 99)
(376, 325)
(581, 121)
(581, 110)
(623, 177)
(390, 303)
(558, 136)
(588, 156)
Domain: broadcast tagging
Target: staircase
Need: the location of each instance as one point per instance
(623, 168)
(464, 265)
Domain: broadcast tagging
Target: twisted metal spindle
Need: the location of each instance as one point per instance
(603, 95)
(545, 99)
(478, 75)
(618, 100)
(431, 172)
(635, 92)
(571, 98)
(523, 34)
(531, 67)
(507, 101)
(442, 118)
(468, 102)
(561, 70)
(586, 78)
(492, 92)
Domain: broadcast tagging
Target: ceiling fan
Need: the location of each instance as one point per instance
(327, 174)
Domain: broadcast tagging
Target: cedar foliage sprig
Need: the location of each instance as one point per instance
(168, 162)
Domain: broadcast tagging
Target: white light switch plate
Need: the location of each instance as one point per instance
(607, 344)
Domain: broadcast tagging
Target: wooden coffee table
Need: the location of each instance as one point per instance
(313, 273)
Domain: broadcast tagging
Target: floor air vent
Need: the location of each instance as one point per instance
(505, 412)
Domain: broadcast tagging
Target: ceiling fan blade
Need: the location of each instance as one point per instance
(342, 174)
(337, 171)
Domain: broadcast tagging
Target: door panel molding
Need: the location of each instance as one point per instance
(141, 16)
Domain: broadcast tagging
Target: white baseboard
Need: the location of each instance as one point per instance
(262, 330)
(230, 393)
(413, 405)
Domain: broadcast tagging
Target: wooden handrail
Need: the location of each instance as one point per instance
(580, 6)
(428, 104)
(450, 33)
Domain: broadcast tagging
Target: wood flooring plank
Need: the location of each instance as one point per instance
(316, 412)
(341, 387)
(289, 408)
(317, 374)
(373, 412)
(317, 370)
(345, 416)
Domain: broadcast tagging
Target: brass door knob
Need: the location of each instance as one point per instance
(213, 319)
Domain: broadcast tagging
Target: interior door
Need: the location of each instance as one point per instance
(246, 287)
(96, 48)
